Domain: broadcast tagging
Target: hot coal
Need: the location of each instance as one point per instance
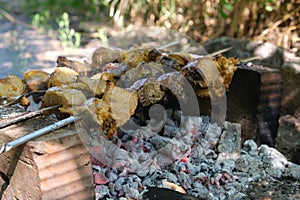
(216, 165)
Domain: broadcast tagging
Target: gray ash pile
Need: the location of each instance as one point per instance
(210, 165)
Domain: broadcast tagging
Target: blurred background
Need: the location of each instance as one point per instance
(88, 23)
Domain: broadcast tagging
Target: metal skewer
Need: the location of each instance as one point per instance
(18, 98)
(244, 60)
(27, 116)
(215, 53)
(168, 44)
(8, 146)
(196, 56)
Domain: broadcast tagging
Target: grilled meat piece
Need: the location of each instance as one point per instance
(36, 80)
(90, 87)
(136, 56)
(11, 86)
(62, 76)
(112, 111)
(122, 103)
(103, 55)
(71, 100)
(81, 68)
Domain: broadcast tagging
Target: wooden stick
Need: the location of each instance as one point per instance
(15, 20)
(27, 116)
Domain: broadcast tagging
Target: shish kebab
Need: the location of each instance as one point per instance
(7, 146)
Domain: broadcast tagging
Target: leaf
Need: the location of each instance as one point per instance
(222, 13)
(269, 8)
(228, 7)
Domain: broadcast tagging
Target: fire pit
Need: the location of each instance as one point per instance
(151, 123)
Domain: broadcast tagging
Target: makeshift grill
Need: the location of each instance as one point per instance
(265, 95)
(65, 75)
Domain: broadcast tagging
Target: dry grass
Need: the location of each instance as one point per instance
(277, 22)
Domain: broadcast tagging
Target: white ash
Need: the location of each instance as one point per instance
(10, 112)
(207, 171)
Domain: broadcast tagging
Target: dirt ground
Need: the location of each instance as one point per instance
(286, 189)
(22, 48)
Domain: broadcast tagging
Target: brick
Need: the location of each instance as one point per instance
(55, 166)
(254, 101)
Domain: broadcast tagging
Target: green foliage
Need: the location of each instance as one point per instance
(67, 36)
(269, 5)
(102, 35)
(83, 8)
(225, 8)
(42, 20)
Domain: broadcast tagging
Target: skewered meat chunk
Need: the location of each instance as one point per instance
(122, 103)
(203, 75)
(103, 55)
(81, 68)
(11, 86)
(175, 60)
(226, 67)
(210, 81)
(142, 71)
(90, 87)
(62, 76)
(98, 114)
(136, 56)
(112, 111)
(150, 93)
(175, 82)
(36, 80)
(115, 68)
(110, 71)
(152, 90)
(104, 76)
(71, 100)
(97, 87)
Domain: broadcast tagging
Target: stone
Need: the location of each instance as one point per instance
(291, 92)
(242, 164)
(293, 170)
(288, 137)
(102, 191)
(230, 142)
(251, 147)
(275, 163)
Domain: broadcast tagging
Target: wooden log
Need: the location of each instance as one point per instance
(55, 166)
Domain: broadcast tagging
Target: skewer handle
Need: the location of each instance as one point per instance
(8, 146)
